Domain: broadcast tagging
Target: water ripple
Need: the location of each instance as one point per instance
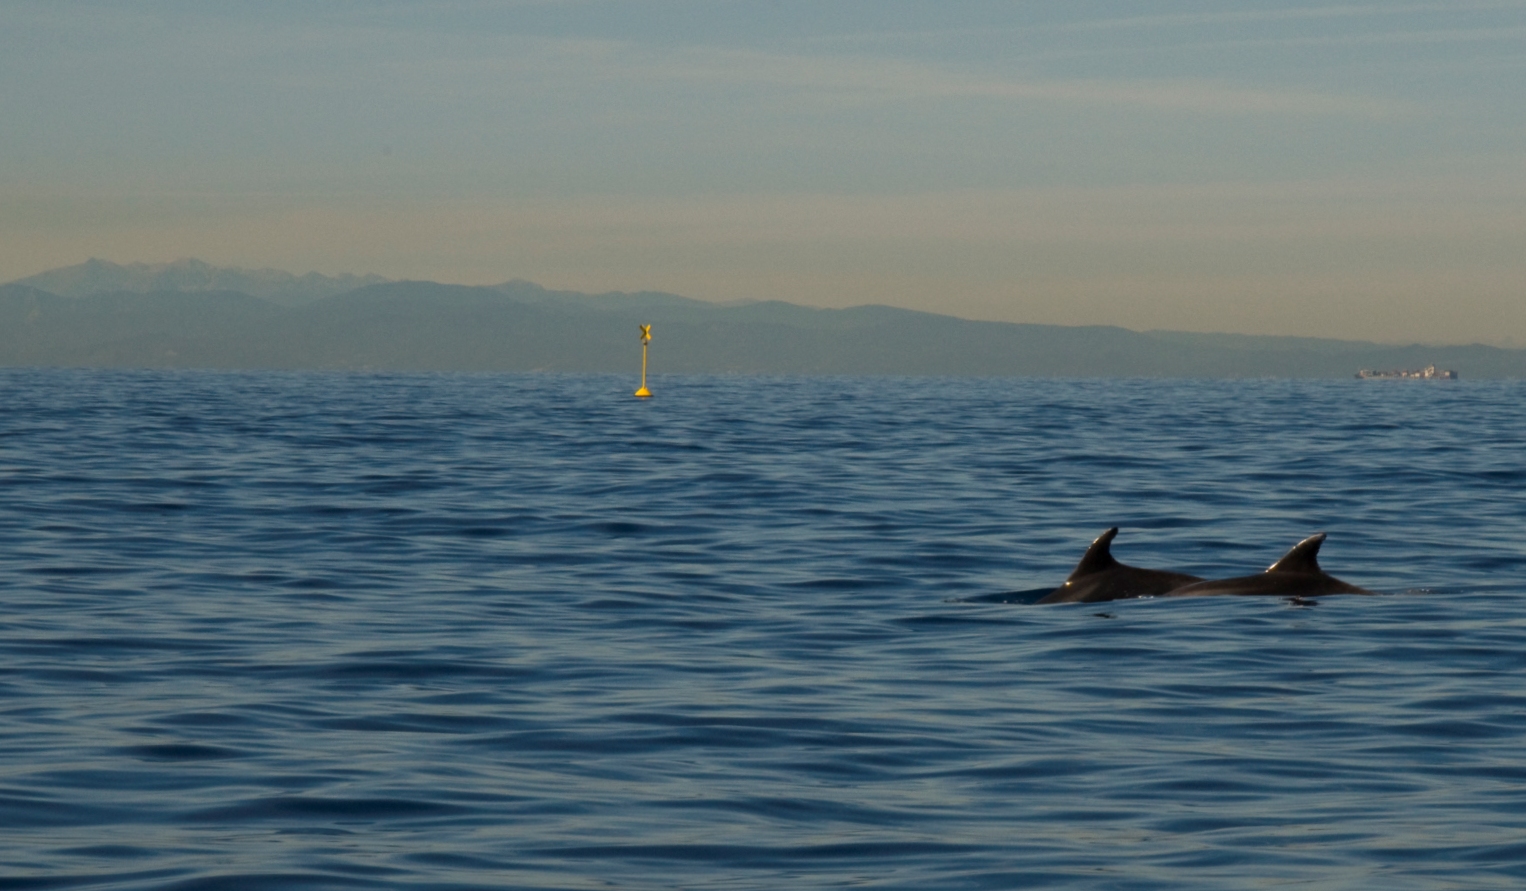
(464, 631)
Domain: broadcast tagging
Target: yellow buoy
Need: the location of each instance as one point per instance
(646, 338)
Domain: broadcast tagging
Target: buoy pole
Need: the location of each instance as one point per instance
(646, 338)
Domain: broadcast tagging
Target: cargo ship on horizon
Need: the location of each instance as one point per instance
(1429, 372)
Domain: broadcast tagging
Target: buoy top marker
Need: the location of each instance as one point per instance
(646, 338)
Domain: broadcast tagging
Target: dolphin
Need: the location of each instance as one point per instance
(1099, 577)
(1297, 574)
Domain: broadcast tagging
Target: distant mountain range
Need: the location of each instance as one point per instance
(192, 315)
(100, 277)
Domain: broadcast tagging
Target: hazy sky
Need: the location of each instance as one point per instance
(1336, 169)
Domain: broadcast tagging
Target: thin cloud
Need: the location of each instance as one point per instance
(877, 80)
(1373, 10)
(1178, 20)
(1440, 35)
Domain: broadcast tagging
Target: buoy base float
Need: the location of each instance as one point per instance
(644, 393)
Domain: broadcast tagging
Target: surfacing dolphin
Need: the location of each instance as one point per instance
(1297, 574)
(1098, 577)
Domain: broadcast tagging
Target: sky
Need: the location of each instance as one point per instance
(1334, 169)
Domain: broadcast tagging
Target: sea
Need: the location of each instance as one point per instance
(269, 630)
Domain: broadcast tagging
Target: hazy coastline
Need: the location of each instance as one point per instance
(186, 315)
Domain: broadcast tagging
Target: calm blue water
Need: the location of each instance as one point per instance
(517, 631)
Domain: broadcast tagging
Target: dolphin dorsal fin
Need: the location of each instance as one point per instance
(1302, 558)
(1097, 557)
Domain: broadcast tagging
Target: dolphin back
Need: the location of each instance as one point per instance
(1297, 574)
(1099, 577)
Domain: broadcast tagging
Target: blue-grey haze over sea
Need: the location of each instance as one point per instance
(393, 631)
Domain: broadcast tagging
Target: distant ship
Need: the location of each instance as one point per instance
(1429, 372)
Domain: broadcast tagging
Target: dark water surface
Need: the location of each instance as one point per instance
(517, 631)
